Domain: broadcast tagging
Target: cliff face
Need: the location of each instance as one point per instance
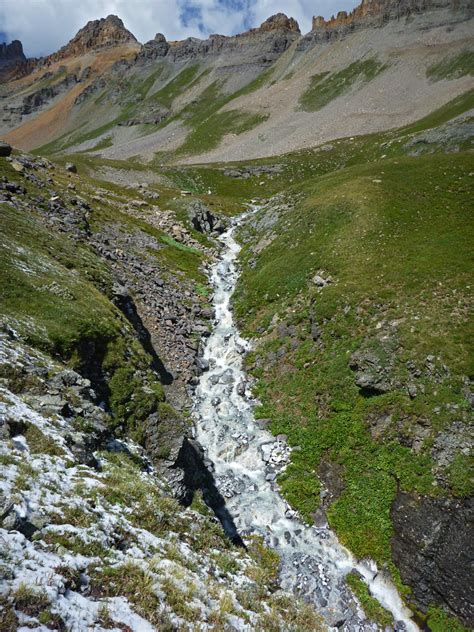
(12, 52)
(263, 44)
(376, 13)
(13, 62)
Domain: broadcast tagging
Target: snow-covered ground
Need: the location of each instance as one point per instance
(93, 548)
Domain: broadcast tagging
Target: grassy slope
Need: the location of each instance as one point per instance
(394, 233)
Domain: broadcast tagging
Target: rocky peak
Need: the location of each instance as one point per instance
(12, 52)
(13, 63)
(96, 35)
(157, 47)
(277, 22)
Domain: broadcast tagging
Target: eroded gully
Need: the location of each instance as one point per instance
(246, 459)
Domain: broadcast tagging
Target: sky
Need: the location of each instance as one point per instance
(43, 26)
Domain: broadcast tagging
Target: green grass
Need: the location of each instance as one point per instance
(453, 67)
(210, 132)
(176, 85)
(325, 87)
(35, 260)
(395, 239)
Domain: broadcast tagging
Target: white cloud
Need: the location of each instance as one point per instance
(45, 25)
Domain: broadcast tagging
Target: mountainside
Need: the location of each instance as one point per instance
(236, 327)
(264, 92)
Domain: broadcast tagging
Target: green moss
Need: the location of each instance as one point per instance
(372, 608)
(439, 621)
(131, 401)
(326, 86)
(461, 475)
(453, 67)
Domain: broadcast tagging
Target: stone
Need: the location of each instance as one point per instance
(17, 166)
(412, 390)
(319, 518)
(371, 373)
(5, 149)
(95, 35)
(203, 220)
(71, 167)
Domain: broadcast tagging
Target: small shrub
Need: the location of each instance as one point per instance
(29, 600)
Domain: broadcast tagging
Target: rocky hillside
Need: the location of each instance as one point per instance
(264, 92)
(350, 148)
(104, 307)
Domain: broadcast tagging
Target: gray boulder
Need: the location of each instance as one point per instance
(371, 372)
(204, 221)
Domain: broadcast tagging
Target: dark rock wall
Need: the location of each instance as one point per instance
(433, 548)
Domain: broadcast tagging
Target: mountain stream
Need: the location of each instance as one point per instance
(246, 460)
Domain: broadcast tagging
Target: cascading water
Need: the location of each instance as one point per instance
(246, 460)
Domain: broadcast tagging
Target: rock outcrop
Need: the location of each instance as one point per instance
(373, 14)
(12, 52)
(154, 49)
(431, 547)
(276, 22)
(204, 221)
(260, 45)
(95, 35)
(13, 63)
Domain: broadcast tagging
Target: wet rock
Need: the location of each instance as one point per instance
(431, 547)
(319, 518)
(202, 365)
(331, 475)
(241, 388)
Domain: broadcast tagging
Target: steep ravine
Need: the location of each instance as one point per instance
(246, 459)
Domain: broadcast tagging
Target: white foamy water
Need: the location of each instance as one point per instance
(246, 459)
